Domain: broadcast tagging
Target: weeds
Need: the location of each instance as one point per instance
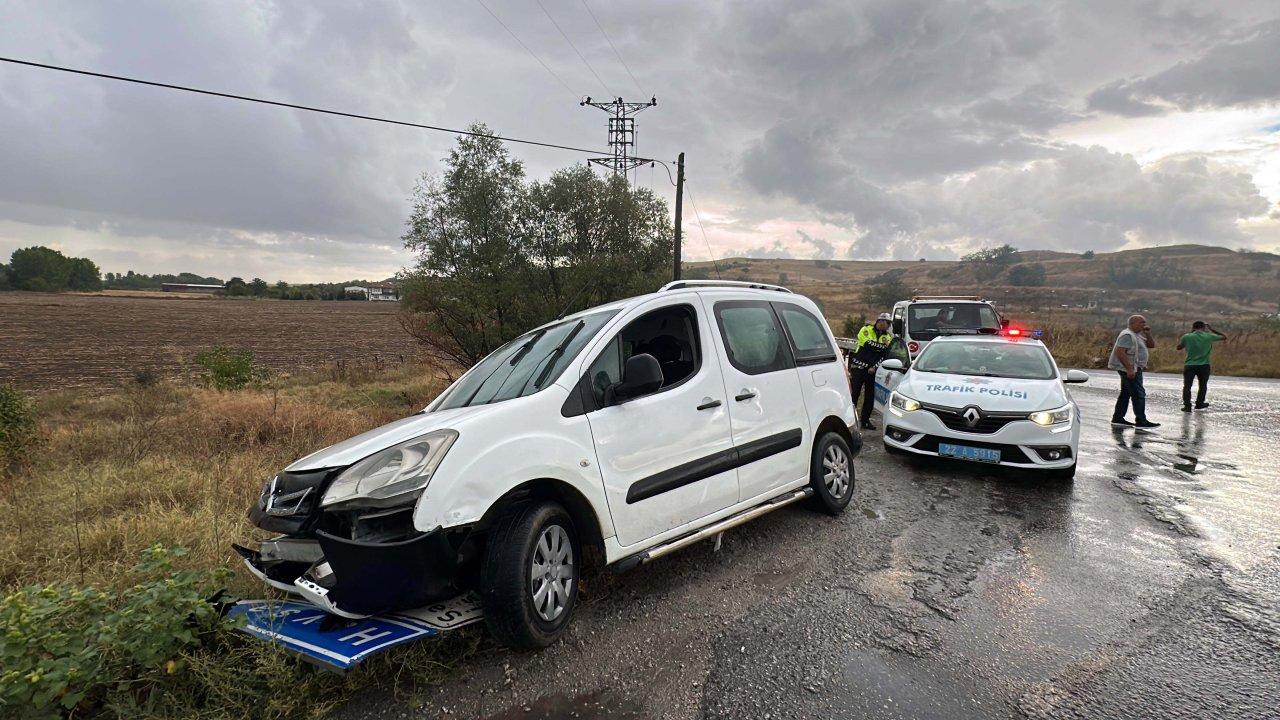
(18, 434)
(227, 368)
(178, 465)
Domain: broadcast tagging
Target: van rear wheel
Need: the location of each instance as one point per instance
(831, 474)
(529, 575)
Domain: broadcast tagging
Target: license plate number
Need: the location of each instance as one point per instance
(965, 452)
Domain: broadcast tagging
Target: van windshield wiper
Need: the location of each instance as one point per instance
(554, 355)
(524, 350)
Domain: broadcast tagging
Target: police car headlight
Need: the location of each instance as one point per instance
(398, 471)
(1051, 417)
(903, 403)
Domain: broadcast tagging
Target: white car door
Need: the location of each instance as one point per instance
(666, 457)
(766, 410)
(887, 380)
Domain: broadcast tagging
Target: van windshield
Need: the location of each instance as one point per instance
(926, 321)
(987, 359)
(525, 365)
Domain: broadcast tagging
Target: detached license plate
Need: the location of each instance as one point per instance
(964, 452)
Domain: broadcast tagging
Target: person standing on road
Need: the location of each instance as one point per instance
(873, 342)
(1129, 357)
(1199, 344)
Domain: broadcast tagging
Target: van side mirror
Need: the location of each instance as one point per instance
(641, 376)
(893, 364)
(897, 326)
(1076, 376)
(1004, 322)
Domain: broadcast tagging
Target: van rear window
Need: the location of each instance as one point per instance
(926, 321)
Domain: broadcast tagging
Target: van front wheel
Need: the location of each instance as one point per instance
(529, 576)
(831, 474)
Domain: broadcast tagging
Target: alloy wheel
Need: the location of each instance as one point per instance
(835, 463)
(552, 573)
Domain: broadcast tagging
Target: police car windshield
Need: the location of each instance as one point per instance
(926, 321)
(988, 359)
(525, 365)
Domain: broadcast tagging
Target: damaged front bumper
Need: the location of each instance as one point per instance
(352, 562)
(356, 579)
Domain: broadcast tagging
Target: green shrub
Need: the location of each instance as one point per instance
(17, 428)
(229, 368)
(74, 651)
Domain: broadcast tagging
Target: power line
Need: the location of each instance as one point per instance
(526, 49)
(262, 101)
(615, 47)
(702, 229)
(581, 57)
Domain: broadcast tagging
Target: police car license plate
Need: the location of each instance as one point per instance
(965, 452)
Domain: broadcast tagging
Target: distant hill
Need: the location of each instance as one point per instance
(1187, 278)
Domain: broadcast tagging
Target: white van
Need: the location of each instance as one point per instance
(925, 317)
(634, 428)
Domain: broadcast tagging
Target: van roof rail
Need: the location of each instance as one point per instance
(944, 297)
(683, 284)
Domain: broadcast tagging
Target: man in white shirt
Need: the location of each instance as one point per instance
(1129, 357)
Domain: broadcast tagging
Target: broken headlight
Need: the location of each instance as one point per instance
(394, 473)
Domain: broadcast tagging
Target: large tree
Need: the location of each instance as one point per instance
(498, 255)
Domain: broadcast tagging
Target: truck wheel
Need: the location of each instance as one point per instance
(529, 575)
(831, 474)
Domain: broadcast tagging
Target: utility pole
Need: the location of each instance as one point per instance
(675, 267)
(622, 133)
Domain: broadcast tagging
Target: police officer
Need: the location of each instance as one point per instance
(873, 343)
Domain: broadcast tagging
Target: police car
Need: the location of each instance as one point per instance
(924, 317)
(983, 398)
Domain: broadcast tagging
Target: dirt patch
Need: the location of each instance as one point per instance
(60, 341)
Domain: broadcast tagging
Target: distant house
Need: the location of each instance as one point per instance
(192, 288)
(384, 292)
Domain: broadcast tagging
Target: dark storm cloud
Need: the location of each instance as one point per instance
(1241, 71)
(919, 127)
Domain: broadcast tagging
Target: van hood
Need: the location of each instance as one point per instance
(989, 393)
(362, 446)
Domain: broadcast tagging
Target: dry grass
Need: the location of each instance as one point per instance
(1245, 353)
(177, 465)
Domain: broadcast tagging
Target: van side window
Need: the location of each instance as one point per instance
(752, 336)
(670, 335)
(808, 337)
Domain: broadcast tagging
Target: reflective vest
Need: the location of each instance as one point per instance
(871, 348)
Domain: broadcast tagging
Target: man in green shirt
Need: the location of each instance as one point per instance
(1199, 344)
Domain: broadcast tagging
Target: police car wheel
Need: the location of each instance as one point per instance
(1064, 474)
(529, 576)
(831, 474)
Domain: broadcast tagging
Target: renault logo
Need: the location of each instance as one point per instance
(972, 416)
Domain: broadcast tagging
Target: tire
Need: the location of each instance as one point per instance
(831, 474)
(1064, 474)
(524, 534)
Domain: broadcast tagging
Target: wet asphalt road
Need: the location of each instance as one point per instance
(1149, 587)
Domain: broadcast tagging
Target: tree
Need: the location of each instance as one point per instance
(4, 277)
(1087, 254)
(498, 255)
(237, 286)
(83, 274)
(1027, 275)
(989, 263)
(258, 287)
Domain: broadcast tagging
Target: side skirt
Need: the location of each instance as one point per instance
(711, 530)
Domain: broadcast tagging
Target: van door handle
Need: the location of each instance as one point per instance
(744, 395)
(708, 403)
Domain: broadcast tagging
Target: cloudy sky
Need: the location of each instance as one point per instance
(865, 130)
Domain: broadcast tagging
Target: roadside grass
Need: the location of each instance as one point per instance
(1245, 352)
(116, 473)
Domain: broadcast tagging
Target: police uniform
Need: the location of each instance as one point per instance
(867, 354)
